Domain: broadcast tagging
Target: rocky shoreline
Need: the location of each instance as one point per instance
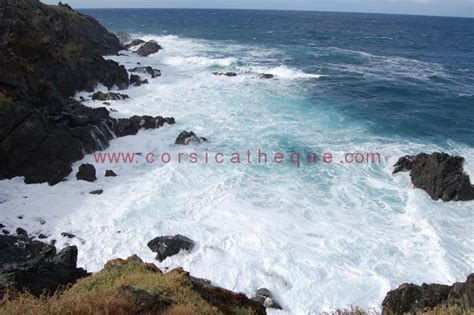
(51, 52)
(29, 265)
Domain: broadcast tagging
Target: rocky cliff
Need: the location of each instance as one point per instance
(46, 54)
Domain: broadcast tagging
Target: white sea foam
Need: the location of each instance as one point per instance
(285, 72)
(320, 238)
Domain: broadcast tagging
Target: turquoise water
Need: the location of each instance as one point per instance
(321, 237)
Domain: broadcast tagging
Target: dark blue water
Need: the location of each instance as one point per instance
(401, 76)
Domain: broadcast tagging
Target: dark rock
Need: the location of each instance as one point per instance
(2, 226)
(106, 103)
(136, 80)
(227, 74)
(21, 233)
(147, 70)
(442, 176)
(47, 53)
(6, 232)
(265, 297)
(68, 235)
(266, 76)
(42, 236)
(130, 126)
(110, 96)
(430, 298)
(226, 301)
(86, 172)
(166, 246)
(110, 173)
(134, 43)
(186, 138)
(148, 48)
(20, 217)
(97, 192)
(123, 37)
(33, 266)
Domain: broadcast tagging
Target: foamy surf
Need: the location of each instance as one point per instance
(320, 238)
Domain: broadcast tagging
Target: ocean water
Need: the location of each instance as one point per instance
(322, 236)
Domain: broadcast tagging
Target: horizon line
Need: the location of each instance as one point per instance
(291, 10)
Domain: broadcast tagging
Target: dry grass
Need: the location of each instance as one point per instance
(100, 294)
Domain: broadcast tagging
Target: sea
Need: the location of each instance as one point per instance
(364, 89)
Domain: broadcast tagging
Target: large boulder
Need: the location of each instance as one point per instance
(442, 176)
(149, 48)
(166, 246)
(34, 266)
(430, 299)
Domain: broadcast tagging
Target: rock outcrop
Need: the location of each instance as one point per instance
(136, 80)
(133, 43)
(29, 265)
(154, 73)
(442, 176)
(265, 297)
(185, 138)
(166, 246)
(108, 96)
(47, 53)
(431, 299)
(148, 48)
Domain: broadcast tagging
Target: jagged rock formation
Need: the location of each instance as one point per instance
(26, 264)
(46, 54)
(431, 299)
(442, 176)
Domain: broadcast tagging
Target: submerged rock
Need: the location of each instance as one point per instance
(86, 172)
(134, 43)
(431, 299)
(265, 297)
(227, 74)
(266, 76)
(166, 246)
(109, 96)
(442, 176)
(137, 80)
(97, 192)
(148, 70)
(34, 266)
(186, 138)
(149, 48)
(67, 235)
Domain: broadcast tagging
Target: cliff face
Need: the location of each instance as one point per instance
(49, 50)
(46, 54)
